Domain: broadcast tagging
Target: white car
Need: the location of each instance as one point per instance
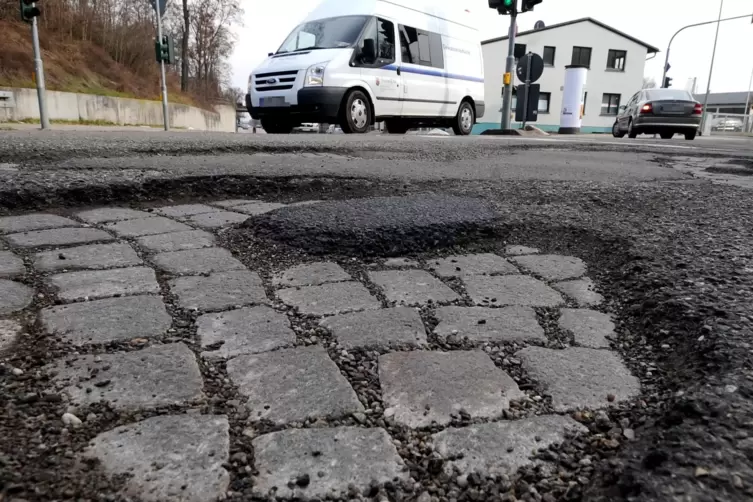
(409, 63)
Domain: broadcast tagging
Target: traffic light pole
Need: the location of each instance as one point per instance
(711, 69)
(165, 112)
(44, 119)
(509, 68)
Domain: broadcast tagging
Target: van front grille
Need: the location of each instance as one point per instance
(275, 81)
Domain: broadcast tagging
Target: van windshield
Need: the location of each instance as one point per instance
(331, 33)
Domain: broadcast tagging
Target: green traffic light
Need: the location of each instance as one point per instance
(508, 3)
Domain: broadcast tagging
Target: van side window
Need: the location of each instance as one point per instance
(421, 47)
(377, 45)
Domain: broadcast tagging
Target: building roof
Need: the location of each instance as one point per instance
(651, 48)
(725, 98)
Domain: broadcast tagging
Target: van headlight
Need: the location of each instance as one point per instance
(315, 75)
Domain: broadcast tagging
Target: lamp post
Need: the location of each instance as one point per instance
(711, 69)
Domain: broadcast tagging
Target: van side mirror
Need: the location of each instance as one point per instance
(270, 53)
(368, 52)
(621, 108)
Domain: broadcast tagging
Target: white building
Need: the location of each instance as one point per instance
(616, 62)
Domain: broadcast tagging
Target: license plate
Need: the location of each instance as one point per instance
(673, 108)
(272, 101)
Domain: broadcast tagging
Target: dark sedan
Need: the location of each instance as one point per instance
(659, 111)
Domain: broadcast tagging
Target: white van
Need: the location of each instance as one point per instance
(408, 63)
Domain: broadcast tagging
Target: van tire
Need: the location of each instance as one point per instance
(464, 120)
(396, 126)
(274, 127)
(355, 114)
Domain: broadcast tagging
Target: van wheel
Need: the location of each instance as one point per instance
(355, 116)
(274, 127)
(396, 126)
(463, 123)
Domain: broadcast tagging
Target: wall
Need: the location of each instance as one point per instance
(23, 104)
(599, 80)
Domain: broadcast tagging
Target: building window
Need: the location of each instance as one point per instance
(544, 99)
(616, 60)
(585, 100)
(549, 55)
(519, 51)
(610, 104)
(582, 56)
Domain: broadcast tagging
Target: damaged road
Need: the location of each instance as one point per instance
(201, 221)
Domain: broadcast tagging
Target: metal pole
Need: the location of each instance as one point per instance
(525, 90)
(44, 119)
(711, 69)
(507, 96)
(747, 104)
(162, 70)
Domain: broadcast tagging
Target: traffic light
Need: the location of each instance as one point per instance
(29, 10)
(667, 82)
(165, 50)
(504, 7)
(530, 4)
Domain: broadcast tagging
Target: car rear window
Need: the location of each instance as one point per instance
(658, 94)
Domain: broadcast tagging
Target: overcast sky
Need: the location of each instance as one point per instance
(267, 23)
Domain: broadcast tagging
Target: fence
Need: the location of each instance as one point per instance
(728, 124)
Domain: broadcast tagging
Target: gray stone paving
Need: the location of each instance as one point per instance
(107, 214)
(14, 296)
(381, 328)
(291, 385)
(172, 458)
(401, 263)
(10, 330)
(412, 287)
(329, 299)
(177, 241)
(218, 219)
(501, 447)
(108, 320)
(183, 210)
(582, 291)
(311, 274)
(232, 202)
(255, 208)
(37, 221)
(580, 378)
(520, 250)
(422, 387)
(552, 267)
(511, 290)
(95, 256)
(219, 291)
(197, 261)
(333, 459)
(589, 328)
(58, 237)
(248, 330)
(474, 264)
(93, 284)
(159, 375)
(146, 226)
(480, 324)
(11, 265)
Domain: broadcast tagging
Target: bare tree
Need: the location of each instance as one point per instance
(649, 83)
(184, 48)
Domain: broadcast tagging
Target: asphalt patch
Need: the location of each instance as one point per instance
(379, 226)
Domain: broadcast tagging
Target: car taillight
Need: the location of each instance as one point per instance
(698, 110)
(647, 108)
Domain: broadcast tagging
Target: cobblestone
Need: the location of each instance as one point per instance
(520, 250)
(244, 331)
(421, 387)
(329, 299)
(218, 219)
(589, 328)
(552, 267)
(90, 285)
(197, 261)
(11, 265)
(233, 202)
(412, 287)
(108, 320)
(177, 241)
(108, 214)
(58, 237)
(255, 208)
(290, 385)
(400, 263)
(501, 447)
(171, 458)
(580, 378)
(334, 461)
(14, 296)
(184, 210)
(219, 291)
(160, 375)
(511, 290)
(95, 256)
(580, 290)
(381, 328)
(37, 221)
(474, 264)
(146, 226)
(311, 274)
(480, 324)
(9, 333)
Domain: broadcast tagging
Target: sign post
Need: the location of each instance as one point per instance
(159, 10)
(44, 119)
(529, 70)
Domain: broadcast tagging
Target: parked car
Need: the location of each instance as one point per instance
(659, 111)
(307, 127)
(728, 124)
